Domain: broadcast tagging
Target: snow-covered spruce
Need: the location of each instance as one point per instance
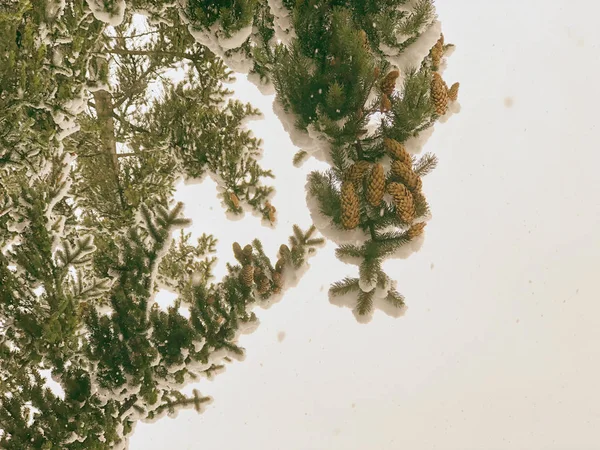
(375, 76)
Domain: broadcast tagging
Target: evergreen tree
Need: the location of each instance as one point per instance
(88, 171)
(89, 157)
(362, 82)
(344, 78)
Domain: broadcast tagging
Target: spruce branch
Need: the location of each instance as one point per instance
(91, 290)
(77, 255)
(345, 286)
(369, 270)
(334, 81)
(350, 250)
(364, 304)
(299, 157)
(422, 13)
(426, 164)
(395, 298)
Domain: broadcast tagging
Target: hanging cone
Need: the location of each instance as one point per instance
(453, 92)
(356, 172)
(258, 273)
(416, 230)
(437, 52)
(279, 265)
(234, 199)
(237, 252)
(364, 39)
(403, 199)
(376, 185)
(439, 94)
(406, 174)
(270, 211)
(363, 36)
(350, 210)
(386, 104)
(284, 252)
(263, 284)
(396, 150)
(388, 84)
(247, 275)
(277, 281)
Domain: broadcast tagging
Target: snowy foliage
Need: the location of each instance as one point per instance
(95, 135)
(110, 12)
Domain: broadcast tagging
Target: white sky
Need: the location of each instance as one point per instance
(499, 348)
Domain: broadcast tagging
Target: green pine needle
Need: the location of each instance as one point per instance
(426, 164)
(349, 250)
(345, 286)
(395, 298)
(364, 303)
(299, 157)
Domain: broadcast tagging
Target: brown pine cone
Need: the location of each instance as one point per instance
(437, 52)
(388, 84)
(279, 265)
(284, 251)
(247, 275)
(386, 104)
(439, 94)
(270, 211)
(453, 92)
(350, 208)
(396, 150)
(248, 252)
(234, 199)
(237, 252)
(406, 174)
(263, 284)
(376, 186)
(356, 172)
(416, 230)
(403, 199)
(258, 273)
(364, 39)
(278, 280)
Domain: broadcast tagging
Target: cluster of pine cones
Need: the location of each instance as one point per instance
(441, 95)
(253, 274)
(404, 184)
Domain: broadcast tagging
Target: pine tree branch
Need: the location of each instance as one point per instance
(127, 405)
(426, 164)
(344, 286)
(372, 230)
(132, 35)
(137, 88)
(365, 302)
(182, 55)
(130, 125)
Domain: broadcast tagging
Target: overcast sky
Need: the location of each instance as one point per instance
(499, 347)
